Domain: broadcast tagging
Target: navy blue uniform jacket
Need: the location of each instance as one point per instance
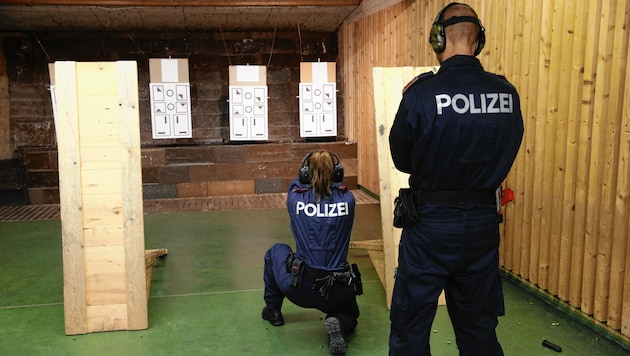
(321, 230)
(457, 130)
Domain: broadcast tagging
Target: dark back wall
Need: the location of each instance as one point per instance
(209, 55)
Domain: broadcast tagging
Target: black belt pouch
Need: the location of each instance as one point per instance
(405, 213)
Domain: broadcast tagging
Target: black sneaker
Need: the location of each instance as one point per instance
(336, 342)
(273, 316)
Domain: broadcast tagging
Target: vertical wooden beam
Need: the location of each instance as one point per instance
(515, 218)
(614, 235)
(528, 147)
(388, 85)
(66, 124)
(578, 267)
(133, 225)
(555, 138)
(596, 163)
(384, 121)
(623, 211)
(575, 37)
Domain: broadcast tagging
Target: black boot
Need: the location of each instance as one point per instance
(336, 341)
(273, 316)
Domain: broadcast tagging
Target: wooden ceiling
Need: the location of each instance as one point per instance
(173, 15)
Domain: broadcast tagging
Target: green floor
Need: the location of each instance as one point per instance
(206, 297)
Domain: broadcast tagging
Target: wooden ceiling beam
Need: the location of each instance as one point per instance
(222, 3)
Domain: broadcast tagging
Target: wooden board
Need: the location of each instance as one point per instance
(388, 86)
(100, 186)
(150, 256)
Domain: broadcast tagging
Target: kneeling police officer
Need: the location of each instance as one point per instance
(318, 274)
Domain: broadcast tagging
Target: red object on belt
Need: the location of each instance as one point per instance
(507, 195)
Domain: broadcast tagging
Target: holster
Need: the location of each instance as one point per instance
(405, 213)
(297, 271)
(356, 280)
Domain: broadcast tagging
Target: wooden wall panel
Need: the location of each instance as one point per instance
(567, 231)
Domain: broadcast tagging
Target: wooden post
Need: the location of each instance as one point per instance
(100, 185)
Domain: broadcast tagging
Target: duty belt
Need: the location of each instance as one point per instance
(320, 273)
(451, 196)
(298, 268)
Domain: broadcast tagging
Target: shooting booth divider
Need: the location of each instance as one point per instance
(388, 86)
(100, 185)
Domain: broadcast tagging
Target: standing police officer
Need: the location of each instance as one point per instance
(317, 275)
(457, 133)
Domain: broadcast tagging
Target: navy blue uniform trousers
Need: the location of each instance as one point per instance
(455, 249)
(341, 302)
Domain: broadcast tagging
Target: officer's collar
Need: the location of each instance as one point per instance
(460, 60)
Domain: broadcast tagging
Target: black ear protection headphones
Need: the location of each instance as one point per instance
(305, 173)
(437, 38)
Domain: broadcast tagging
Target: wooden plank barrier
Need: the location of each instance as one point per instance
(100, 184)
(388, 85)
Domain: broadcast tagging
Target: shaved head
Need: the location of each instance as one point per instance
(464, 33)
(457, 30)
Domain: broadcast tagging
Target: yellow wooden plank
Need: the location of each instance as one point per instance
(104, 259)
(376, 245)
(106, 288)
(569, 107)
(623, 211)
(609, 284)
(393, 82)
(93, 137)
(102, 181)
(99, 127)
(625, 303)
(102, 105)
(103, 209)
(539, 258)
(68, 141)
(555, 141)
(103, 235)
(95, 78)
(101, 143)
(530, 89)
(620, 255)
(595, 169)
(507, 247)
(150, 256)
(388, 85)
(377, 256)
(378, 79)
(109, 317)
(101, 158)
(132, 207)
(515, 223)
(378, 260)
(578, 267)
